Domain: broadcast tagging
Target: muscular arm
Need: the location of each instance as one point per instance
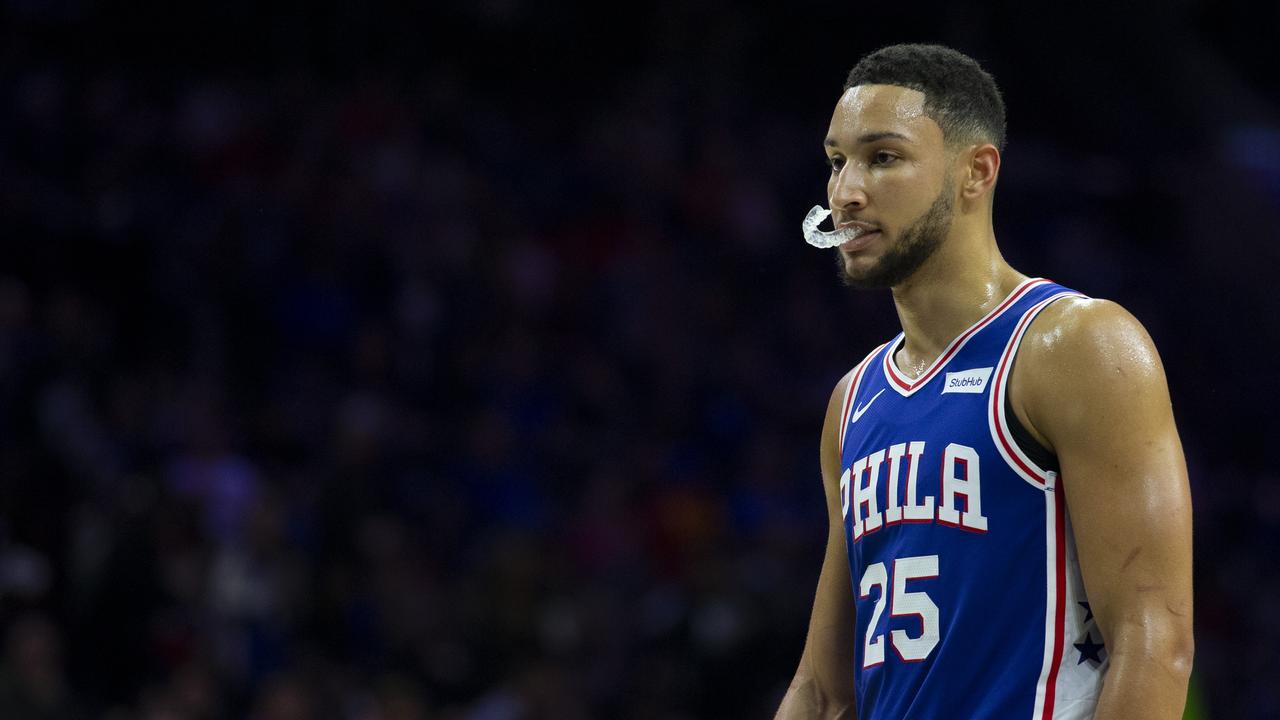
(823, 683)
(1093, 389)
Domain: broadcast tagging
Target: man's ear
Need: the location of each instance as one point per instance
(981, 169)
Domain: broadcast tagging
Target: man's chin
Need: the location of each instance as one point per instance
(866, 277)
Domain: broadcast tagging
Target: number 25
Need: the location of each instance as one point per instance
(910, 649)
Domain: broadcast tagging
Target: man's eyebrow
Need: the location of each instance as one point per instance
(870, 138)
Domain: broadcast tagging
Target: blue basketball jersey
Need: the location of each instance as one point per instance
(967, 588)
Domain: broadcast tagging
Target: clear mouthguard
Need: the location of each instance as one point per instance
(825, 238)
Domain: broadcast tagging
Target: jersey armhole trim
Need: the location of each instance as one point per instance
(847, 406)
(1038, 477)
(1022, 437)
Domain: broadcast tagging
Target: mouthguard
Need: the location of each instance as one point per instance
(825, 238)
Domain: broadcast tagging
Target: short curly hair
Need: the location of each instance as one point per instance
(958, 94)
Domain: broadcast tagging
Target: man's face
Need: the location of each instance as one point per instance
(889, 175)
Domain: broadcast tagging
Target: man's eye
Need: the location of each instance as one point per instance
(836, 163)
(883, 157)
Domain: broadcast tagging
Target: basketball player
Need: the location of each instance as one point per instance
(1008, 501)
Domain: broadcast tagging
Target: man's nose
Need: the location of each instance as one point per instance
(849, 191)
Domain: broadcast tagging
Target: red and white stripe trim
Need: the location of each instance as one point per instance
(1055, 605)
(854, 382)
(906, 386)
(1024, 466)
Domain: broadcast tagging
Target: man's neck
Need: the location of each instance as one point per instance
(954, 289)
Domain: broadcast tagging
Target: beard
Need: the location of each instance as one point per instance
(917, 244)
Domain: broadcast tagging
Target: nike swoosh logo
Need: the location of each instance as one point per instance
(857, 412)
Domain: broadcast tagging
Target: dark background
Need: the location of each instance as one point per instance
(466, 362)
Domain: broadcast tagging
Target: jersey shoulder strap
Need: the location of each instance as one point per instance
(1026, 457)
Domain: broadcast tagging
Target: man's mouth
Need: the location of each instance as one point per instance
(853, 233)
(858, 237)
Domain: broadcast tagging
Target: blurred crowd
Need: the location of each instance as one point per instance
(478, 391)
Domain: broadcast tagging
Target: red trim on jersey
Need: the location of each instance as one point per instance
(906, 385)
(1059, 611)
(997, 396)
(848, 398)
(1023, 465)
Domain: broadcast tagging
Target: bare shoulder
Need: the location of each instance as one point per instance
(1082, 358)
(1079, 323)
(1084, 337)
(831, 424)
